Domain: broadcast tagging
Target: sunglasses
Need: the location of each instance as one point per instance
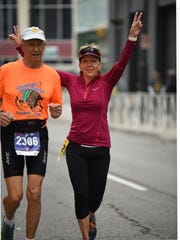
(91, 51)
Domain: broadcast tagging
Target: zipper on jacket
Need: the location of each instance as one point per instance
(85, 94)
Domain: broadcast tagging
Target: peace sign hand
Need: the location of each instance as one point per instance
(16, 36)
(136, 26)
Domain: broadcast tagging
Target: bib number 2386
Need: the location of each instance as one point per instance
(27, 144)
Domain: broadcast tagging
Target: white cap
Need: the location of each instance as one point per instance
(33, 33)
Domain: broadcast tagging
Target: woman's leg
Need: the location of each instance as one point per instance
(78, 172)
(98, 171)
(84, 227)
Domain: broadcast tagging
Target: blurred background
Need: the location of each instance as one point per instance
(144, 101)
(146, 94)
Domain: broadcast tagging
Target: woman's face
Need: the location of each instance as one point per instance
(90, 66)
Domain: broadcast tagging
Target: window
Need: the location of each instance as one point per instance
(53, 16)
(66, 23)
(51, 23)
(51, 1)
(8, 17)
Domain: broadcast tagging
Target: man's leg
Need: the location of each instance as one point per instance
(11, 203)
(34, 204)
(14, 195)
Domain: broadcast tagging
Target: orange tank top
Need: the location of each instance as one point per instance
(26, 92)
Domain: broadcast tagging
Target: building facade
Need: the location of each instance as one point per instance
(70, 23)
(53, 16)
(156, 49)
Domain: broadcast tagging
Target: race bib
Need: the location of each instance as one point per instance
(27, 144)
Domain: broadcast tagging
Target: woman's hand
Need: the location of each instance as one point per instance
(16, 36)
(136, 26)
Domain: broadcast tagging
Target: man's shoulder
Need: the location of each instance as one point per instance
(10, 65)
(50, 70)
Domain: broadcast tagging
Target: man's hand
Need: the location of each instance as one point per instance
(136, 26)
(55, 110)
(6, 118)
(16, 36)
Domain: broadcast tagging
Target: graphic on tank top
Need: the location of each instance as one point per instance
(29, 99)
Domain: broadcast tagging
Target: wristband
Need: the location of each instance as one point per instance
(132, 38)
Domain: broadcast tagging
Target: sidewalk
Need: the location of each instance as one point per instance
(164, 134)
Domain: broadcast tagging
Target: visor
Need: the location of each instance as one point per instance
(89, 51)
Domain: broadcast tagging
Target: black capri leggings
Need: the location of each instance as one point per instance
(88, 169)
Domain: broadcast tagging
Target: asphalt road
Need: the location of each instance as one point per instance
(140, 201)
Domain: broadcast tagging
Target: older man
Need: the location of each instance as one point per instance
(27, 88)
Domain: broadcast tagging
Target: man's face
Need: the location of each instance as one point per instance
(33, 49)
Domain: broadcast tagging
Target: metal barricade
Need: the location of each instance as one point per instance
(143, 109)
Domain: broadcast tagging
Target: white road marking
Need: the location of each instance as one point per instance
(126, 182)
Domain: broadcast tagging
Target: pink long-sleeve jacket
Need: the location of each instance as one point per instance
(89, 104)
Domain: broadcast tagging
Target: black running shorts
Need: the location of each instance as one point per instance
(13, 164)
